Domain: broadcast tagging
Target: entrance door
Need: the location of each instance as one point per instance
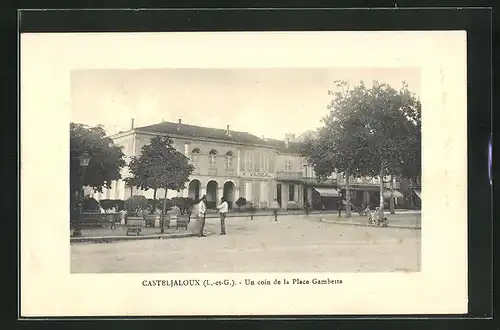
(278, 193)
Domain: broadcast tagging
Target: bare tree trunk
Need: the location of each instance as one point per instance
(154, 194)
(412, 203)
(381, 175)
(391, 199)
(164, 212)
(348, 195)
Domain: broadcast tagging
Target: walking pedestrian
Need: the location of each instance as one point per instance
(306, 208)
(202, 212)
(339, 206)
(123, 216)
(275, 207)
(223, 208)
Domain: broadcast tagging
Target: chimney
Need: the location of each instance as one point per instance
(287, 139)
(180, 121)
(228, 132)
(132, 123)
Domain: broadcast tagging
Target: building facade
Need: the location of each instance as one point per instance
(235, 164)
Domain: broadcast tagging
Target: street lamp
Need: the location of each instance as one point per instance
(84, 162)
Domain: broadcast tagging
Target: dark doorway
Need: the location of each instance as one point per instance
(194, 189)
(228, 193)
(211, 194)
(278, 193)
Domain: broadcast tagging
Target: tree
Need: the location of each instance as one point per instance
(135, 202)
(160, 166)
(241, 201)
(107, 159)
(368, 132)
(183, 203)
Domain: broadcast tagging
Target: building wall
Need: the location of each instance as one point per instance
(249, 170)
(252, 171)
(290, 163)
(257, 174)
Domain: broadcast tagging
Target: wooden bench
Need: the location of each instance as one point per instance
(167, 221)
(98, 219)
(151, 219)
(134, 225)
(182, 221)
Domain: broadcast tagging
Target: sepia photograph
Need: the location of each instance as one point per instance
(202, 170)
(267, 170)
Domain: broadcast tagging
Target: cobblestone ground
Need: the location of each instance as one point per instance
(293, 244)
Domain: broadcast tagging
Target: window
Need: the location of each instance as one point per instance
(229, 159)
(264, 163)
(288, 165)
(305, 171)
(249, 161)
(291, 192)
(212, 156)
(195, 154)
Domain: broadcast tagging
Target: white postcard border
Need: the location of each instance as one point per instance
(48, 288)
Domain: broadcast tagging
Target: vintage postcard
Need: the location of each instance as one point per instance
(283, 173)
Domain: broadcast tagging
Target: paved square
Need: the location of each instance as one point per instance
(293, 244)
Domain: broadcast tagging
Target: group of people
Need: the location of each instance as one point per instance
(377, 217)
(223, 208)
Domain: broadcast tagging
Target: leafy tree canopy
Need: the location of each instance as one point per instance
(368, 130)
(106, 158)
(160, 165)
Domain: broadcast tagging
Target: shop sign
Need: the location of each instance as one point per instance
(255, 174)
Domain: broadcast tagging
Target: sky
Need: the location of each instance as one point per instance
(264, 102)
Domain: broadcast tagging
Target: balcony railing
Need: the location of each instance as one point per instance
(316, 182)
(366, 181)
(230, 171)
(283, 175)
(388, 185)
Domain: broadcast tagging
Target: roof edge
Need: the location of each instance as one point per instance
(137, 131)
(121, 134)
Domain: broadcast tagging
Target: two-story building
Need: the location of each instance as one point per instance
(227, 163)
(239, 164)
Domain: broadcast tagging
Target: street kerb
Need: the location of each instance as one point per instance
(109, 239)
(360, 224)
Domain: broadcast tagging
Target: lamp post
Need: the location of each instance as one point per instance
(84, 162)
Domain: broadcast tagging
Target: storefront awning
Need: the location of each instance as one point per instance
(328, 192)
(417, 192)
(393, 193)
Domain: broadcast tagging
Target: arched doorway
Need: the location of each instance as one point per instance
(212, 193)
(229, 193)
(194, 189)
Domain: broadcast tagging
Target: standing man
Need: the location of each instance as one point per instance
(275, 206)
(202, 211)
(223, 208)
